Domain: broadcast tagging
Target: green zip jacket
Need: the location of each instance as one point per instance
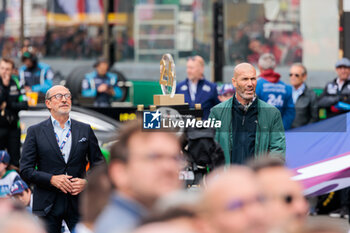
(269, 136)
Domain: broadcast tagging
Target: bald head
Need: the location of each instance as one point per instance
(231, 202)
(243, 67)
(244, 80)
(54, 89)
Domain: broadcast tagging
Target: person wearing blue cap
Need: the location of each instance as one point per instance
(7, 177)
(336, 95)
(225, 92)
(21, 192)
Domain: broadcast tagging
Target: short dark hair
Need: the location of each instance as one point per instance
(168, 215)
(119, 150)
(8, 60)
(265, 162)
(96, 194)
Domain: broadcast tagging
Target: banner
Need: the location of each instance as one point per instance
(74, 12)
(319, 154)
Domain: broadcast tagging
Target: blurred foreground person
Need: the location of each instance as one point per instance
(285, 205)
(172, 221)
(232, 202)
(93, 199)
(20, 222)
(144, 167)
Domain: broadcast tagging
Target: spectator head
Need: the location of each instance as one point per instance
(21, 192)
(7, 66)
(171, 221)
(20, 222)
(297, 75)
(29, 59)
(195, 68)
(176, 212)
(145, 165)
(267, 61)
(342, 67)
(58, 100)
(4, 161)
(285, 204)
(232, 202)
(96, 195)
(244, 80)
(101, 66)
(225, 92)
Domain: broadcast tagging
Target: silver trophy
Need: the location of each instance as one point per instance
(167, 75)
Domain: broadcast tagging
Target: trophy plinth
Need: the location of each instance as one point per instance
(167, 100)
(167, 82)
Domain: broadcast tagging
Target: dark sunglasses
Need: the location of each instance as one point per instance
(296, 75)
(289, 199)
(59, 96)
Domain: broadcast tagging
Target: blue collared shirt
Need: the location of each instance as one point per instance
(62, 133)
(127, 211)
(297, 92)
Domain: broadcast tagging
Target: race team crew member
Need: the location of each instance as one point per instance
(336, 95)
(101, 84)
(196, 89)
(14, 101)
(35, 76)
(272, 90)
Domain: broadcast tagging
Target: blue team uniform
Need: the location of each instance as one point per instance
(92, 81)
(206, 95)
(279, 95)
(39, 78)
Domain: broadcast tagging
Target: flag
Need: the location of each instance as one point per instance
(319, 155)
(75, 12)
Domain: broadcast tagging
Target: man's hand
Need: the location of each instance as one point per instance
(102, 88)
(62, 182)
(78, 185)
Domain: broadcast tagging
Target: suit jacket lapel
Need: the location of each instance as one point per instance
(50, 135)
(75, 136)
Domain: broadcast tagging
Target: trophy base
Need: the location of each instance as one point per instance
(166, 100)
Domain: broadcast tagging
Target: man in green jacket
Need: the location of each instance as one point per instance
(249, 126)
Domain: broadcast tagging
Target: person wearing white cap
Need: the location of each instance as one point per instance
(336, 95)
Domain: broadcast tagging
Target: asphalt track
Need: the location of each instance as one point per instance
(342, 223)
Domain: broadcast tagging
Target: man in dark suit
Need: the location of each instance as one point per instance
(54, 157)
